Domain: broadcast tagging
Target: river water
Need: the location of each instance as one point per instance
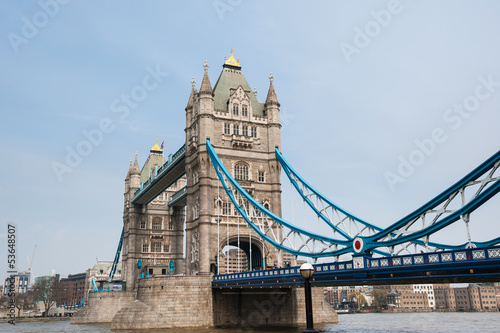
(449, 322)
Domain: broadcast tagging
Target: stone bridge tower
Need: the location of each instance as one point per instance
(244, 132)
(153, 233)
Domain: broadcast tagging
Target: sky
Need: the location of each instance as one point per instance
(364, 87)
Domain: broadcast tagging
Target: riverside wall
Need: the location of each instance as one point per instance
(102, 307)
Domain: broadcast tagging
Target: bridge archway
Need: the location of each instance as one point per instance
(255, 258)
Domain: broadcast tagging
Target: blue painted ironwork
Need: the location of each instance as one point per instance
(116, 260)
(456, 265)
(483, 179)
(171, 268)
(368, 237)
(268, 225)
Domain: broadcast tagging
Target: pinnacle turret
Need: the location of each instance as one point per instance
(192, 95)
(271, 94)
(206, 87)
(135, 168)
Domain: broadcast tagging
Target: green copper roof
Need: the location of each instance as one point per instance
(232, 77)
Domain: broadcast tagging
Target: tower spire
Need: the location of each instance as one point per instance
(271, 94)
(135, 167)
(206, 87)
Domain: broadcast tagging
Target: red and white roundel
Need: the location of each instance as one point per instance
(357, 244)
(470, 245)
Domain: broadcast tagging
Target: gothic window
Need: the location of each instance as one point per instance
(266, 205)
(155, 247)
(235, 109)
(170, 226)
(226, 208)
(196, 177)
(236, 130)
(143, 224)
(244, 110)
(261, 176)
(145, 248)
(241, 171)
(244, 130)
(254, 132)
(166, 248)
(156, 223)
(227, 129)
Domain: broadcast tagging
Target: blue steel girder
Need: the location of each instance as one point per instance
(484, 179)
(270, 227)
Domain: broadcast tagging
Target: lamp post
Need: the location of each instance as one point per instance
(307, 271)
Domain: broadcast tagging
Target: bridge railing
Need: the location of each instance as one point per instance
(368, 262)
(172, 159)
(177, 195)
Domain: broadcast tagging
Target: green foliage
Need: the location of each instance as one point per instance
(44, 291)
(379, 298)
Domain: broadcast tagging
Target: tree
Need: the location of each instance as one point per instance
(379, 298)
(43, 291)
(358, 298)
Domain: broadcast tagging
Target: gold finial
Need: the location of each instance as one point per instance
(136, 154)
(231, 60)
(193, 82)
(130, 162)
(206, 66)
(271, 77)
(155, 147)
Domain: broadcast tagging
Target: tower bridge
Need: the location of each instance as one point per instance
(223, 188)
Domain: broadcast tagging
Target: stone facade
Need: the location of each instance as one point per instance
(102, 307)
(153, 233)
(163, 302)
(244, 133)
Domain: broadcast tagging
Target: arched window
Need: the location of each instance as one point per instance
(244, 110)
(235, 109)
(241, 171)
(156, 223)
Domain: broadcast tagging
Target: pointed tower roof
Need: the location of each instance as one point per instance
(231, 77)
(191, 96)
(129, 170)
(206, 87)
(135, 168)
(154, 160)
(271, 94)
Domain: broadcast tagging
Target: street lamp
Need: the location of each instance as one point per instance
(307, 271)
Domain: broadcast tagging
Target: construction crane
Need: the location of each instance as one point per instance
(31, 263)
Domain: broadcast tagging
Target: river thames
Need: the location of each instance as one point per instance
(351, 323)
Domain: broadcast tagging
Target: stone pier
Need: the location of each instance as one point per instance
(102, 307)
(189, 301)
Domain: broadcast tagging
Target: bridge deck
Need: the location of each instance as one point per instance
(467, 265)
